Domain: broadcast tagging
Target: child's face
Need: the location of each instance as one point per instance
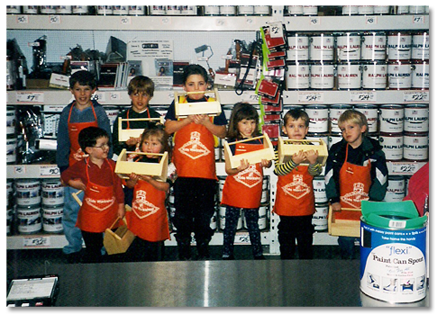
(352, 133)
(295, 129)
(140, 101)
(100, 150)
(246, 127)
(82, 94)
(195, 83)
(152, 145)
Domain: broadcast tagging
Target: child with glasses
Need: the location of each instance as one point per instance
(103, 200)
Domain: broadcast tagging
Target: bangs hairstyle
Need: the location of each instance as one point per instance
(194, 69)
(88, 137)
(159, 133)
(353, 116)
(239, 112)
(296, 114)
(141, 84)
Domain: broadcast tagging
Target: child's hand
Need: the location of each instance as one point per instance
(298, 157)
(133, 177)
(132, 141)
(77, 184)
(266, 163)
(146, 178)
(200, 118)
(336, 207)
(312, 155)
(79, 155)
(244, 164)
(121, 211)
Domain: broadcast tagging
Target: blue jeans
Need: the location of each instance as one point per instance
(72, 233)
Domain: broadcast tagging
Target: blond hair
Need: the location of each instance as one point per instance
(353, 116)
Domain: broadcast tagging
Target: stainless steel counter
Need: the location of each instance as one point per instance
(241, 283)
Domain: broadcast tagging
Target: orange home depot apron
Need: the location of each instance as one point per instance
(193, 153)
(148, 218)
(99, 208)
(73, 133)
(355, 183)
(243, 190)
(295, 194)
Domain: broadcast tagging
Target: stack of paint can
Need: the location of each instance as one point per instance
(28, 202)
(52, 205)
(320, 217)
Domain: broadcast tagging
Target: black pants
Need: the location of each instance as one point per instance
(194, 208)
(292, 228)
(231, 221)
(93, 246)
(145, 251)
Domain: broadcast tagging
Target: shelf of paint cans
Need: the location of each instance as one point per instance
(214, 23)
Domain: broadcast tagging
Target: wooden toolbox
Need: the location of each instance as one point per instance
(211, 108)
(253, 157)
(344, 223)
(125, 134)
(158, 171)
(289, 147)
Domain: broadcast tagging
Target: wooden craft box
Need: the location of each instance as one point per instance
(125, 134)
(289, 147)
(345, 223)
(158, 171)
(210, 108)
(253, 157)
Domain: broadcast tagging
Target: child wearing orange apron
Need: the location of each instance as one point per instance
(294, 202)
(356, 170)
(83, 112)
(193, 155)
(103, 200)
(148, 219)
(243, 186)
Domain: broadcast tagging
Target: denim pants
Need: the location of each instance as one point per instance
(71, 210)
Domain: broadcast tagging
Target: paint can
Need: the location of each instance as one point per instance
(395, 189)
(322, 47)
(392, 145)
(349, 46)
(104, 9)
(318, 115)
(420, 75)
(391, 118)
(334, 138)
(28, 192)
(320, 217)
(157, 9)
(298, 47)
(316, 136)
(29, 219)
(322, 76)
(349, 75)
(398, 46)
(416, 118)
(399, 75)
(11, 150)
(373, 46)
(52, 219)
(374, 75)
(319, 188)
(393, 258)
(416, 146)
(52, 192)
(298, 76)
(420, 46)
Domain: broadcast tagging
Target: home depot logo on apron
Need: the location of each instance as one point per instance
(295, 194)
(355, 182)
(244, 189)
(148, 218)
(99, 207)
(74, 129)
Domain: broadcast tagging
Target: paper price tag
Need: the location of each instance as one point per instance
(37, 241)
(30, 98)
(363, 96)
(99, 97)
(418, 19)
(404, 168)
(49, 171)
(276, 30)
(415, 96)
(307, 97)
(54, 19)
(242, 238)
(22, 19)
